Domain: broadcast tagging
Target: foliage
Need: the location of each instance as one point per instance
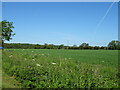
(46, 46)
(9, 82)
(7, 31)
(84, 46)
(114, 45)
(62, 68)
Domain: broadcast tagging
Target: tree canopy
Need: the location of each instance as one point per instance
(7, 31)
(114, 44)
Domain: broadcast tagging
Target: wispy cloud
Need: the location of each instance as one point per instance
(104, 16)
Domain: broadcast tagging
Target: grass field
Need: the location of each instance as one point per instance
(35, 68)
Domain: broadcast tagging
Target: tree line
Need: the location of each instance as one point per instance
(7, 34)
(113, 45)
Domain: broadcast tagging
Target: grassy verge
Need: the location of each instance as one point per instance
(9, 81)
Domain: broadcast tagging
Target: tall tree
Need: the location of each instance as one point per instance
(114, 45)
(7, 31)
(84, 46)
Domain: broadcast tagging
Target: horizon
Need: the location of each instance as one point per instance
(67, 23)
(56, 44)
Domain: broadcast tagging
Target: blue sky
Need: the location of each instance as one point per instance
(62, 23)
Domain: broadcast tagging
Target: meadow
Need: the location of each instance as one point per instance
(45, 68)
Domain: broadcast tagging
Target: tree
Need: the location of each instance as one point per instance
(50, 46)
(102, 47)
(45, 46)
(114, 45)
(84, 46)
(7, 31)
(96, 47)
(61, 46)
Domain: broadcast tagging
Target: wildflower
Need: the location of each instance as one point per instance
(28, 66)
(38, 65)
(10, 56)
(53, 63)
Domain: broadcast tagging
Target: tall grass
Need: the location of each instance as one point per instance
(62, 68)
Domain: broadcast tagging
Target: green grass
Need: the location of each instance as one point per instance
(62, 68)
(9, 81)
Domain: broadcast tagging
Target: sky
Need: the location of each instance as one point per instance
(68, 23)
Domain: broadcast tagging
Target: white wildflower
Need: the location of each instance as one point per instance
(38, 65)
(53, 63)
(28, 66)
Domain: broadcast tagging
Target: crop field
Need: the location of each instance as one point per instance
(41, 68)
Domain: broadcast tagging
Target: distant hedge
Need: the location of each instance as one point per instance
(51, 46)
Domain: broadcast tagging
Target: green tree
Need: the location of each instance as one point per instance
(7, 31)
(114, 45)
(84, 46)
(61, 46)
(96, 47)
(45, 46)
